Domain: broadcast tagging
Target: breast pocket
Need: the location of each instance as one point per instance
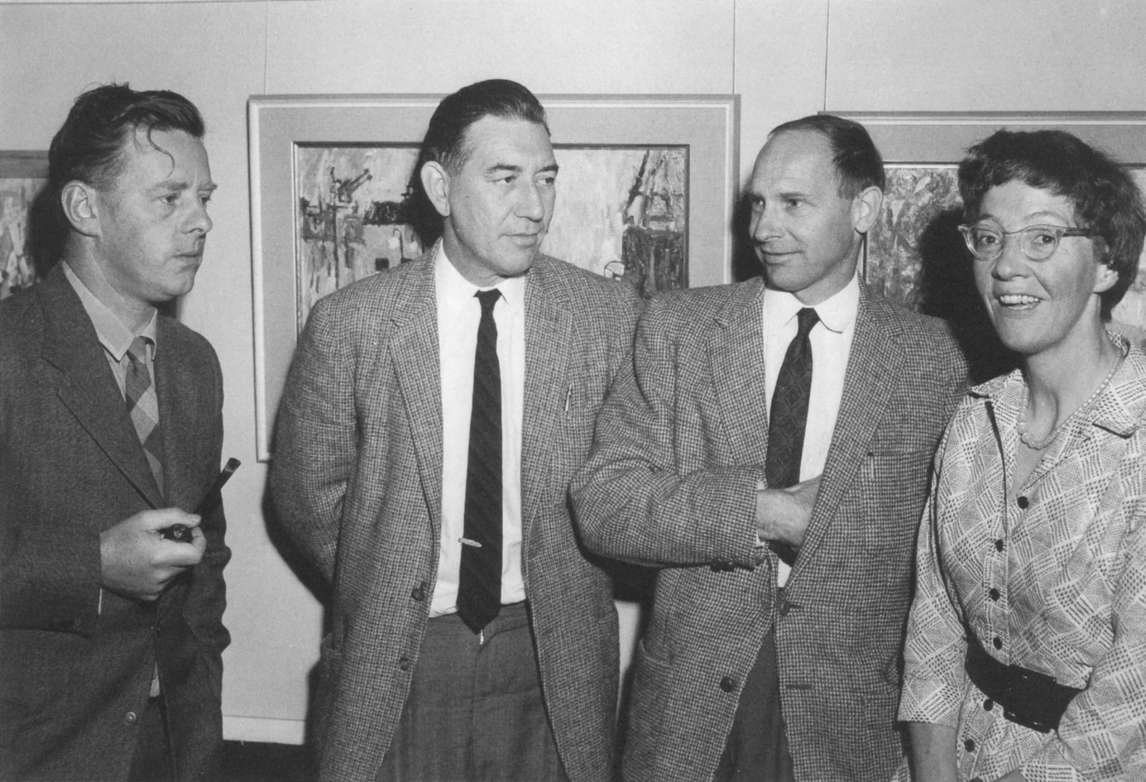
(894, 486)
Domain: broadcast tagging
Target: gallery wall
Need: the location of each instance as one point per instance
(784, 58)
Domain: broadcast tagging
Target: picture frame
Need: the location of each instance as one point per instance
(914, 253)
(285, 130)
(22, 175)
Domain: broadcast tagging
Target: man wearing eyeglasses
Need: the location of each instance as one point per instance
(769, 451)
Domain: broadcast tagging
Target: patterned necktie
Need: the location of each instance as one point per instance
(789, 415)
(143, 406)
(479, 587)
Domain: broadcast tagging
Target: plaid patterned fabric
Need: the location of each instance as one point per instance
(671, 481)
(1050, 577)
(143, 406)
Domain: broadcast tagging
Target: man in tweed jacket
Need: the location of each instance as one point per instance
(367, 479)
(736, 678)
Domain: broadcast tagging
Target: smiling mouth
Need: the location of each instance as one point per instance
(1017, 300)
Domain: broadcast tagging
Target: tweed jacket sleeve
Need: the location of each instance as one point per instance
(316, 438)
(662, 485)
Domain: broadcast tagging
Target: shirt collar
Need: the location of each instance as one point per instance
(115, 337)
(454, 290)
(837, 312)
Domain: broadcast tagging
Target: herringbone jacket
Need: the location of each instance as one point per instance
(356, 480)
(671, 481)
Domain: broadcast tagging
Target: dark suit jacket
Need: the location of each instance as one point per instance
(671, 482)
(74, 678)
(357, 481)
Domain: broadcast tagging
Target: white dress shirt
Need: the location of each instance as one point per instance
(831, 341)
(459, 313)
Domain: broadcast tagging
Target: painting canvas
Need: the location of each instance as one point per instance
(621, 212)
(914, 198)
(22, 175)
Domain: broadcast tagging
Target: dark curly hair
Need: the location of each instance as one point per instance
(1106, 200)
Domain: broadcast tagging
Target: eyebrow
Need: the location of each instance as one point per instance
(182, 184)
(1037, 217)
(498, 168)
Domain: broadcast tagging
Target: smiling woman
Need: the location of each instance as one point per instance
(1037, 505)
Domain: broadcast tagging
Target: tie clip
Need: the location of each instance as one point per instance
(468, 542)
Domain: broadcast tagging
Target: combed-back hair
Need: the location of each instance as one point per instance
(858, 163)
(445, 140)
(89, 146)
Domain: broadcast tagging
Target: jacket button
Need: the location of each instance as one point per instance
(404, 663)
(1024, 503)
(988, 704)
(999, 545)
(969, 745)
(728, 684)
(993, 593)
(419, 592)
(130, 718)
(997, 643)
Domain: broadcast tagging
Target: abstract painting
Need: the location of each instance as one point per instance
(22, 175)
(620, 212)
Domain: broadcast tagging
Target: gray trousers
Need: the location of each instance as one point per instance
(475, 710)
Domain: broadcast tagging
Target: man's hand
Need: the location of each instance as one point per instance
(783, 515)
(138, 562)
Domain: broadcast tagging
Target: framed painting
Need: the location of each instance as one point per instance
(22, 175)
(914, 252)
(645, 195)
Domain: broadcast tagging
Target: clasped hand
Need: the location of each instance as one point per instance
(783, 515)
(137, 562)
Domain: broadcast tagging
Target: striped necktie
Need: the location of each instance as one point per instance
(143, 406)
(479, 587)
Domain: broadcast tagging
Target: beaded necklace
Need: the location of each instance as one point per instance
(1038, 445)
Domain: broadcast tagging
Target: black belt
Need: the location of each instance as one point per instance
(1029, 698)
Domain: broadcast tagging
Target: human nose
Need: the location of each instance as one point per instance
(531, 202)
(1012, 262)
(763, 225)
(198, 219)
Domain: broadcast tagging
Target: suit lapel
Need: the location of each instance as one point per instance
(549, 342)
(176, 386)
(414, 351)
(87, 386)
(873, 366)
(736, 353)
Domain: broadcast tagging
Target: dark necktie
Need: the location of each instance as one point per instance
(789, 415)
(143, 406)
(479, 587)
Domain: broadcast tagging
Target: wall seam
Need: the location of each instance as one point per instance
(827, 52)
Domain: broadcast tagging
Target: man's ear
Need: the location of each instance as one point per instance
(865, 208)
(78, 200)
(436, 183)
